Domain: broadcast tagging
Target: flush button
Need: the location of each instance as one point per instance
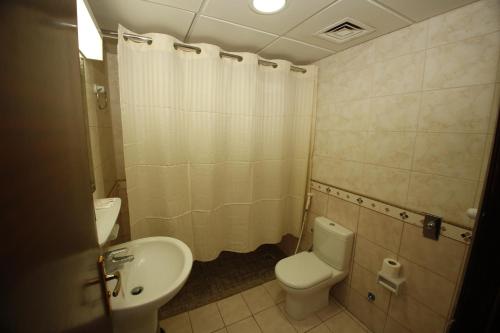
(431, 226)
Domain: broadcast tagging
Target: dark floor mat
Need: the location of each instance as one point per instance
(227, 275)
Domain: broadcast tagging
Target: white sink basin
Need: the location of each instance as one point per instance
(161, 266)
(106, 213)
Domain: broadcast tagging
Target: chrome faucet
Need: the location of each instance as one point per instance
(112, 260)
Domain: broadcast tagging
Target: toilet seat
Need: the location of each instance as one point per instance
(303, 270)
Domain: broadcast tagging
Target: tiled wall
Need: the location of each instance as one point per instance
(100, 131)
(432, 269)
(409, 117)
(114, 106)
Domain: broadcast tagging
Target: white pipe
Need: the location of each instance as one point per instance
(304, 218)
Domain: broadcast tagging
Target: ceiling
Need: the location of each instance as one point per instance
(290, 34)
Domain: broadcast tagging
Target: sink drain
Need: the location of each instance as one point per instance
(136, 290)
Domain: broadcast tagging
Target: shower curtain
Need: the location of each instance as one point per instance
(216, 149)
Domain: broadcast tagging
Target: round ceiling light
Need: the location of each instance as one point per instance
(267, 6)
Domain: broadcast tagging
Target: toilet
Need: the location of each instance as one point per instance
(307, 277)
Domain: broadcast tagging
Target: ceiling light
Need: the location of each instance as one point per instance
(89, 36)
(267, 6)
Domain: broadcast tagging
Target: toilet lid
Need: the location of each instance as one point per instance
(302, 270)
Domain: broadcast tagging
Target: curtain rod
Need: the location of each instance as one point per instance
(186, 47)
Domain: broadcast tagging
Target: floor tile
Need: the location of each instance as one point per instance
(257, 299)
(206, 319)
(177, 324)
(332, 309)
(273, 321)
(320, 329)
(224, 330)
(233, 309)
(343, 323)
(248, 325)
(301, 325)
(273, 288)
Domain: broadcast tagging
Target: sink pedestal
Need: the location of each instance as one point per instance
(160, 268)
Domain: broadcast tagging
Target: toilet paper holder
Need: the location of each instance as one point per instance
(390, 275)
(390, 283)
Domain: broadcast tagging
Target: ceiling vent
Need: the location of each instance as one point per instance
(345, 30)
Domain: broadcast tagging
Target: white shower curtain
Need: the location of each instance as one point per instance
(216, 150)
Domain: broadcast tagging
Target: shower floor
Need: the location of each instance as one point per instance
(229, 274)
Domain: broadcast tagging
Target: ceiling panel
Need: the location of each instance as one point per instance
(421, 9)
(142, 16)
(365, 11)
(297, 52)
(229, 36)
(240, 12)
(191, 5)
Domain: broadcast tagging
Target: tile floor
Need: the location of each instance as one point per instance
(229, 274)
(260, 309)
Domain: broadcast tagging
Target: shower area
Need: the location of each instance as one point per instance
(220, 150)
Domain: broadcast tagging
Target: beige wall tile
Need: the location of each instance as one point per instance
(346, 145)
(386, 184)
(272, 320)
(495, 107)
(449, 154)
(341, 291)
(467, 62)
(381, 229)
(392, 326)
(352, 115)
(343, 212)
(415, 316)
(233, 309)
(395, 113)
(206, 319)
(399, 75)
(443, 257)
(342, 322)
(442, 196)
(354, 58)
(352, 85)
(473, 20)
(400, 42)
(486, 157)
(427, 287)
(364, 281)
(391, 149)
(321, 146)
(366, 312)
(369, 255)
(341, 173)
(319, 202)
(456, 110)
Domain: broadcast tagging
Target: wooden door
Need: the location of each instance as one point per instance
(48, 246)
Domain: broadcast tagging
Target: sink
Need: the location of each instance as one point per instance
(159, 270)
(106, 213)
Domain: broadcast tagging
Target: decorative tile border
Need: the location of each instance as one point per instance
(415, 218)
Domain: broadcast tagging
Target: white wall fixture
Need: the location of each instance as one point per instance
(89, 35)
(267, 6)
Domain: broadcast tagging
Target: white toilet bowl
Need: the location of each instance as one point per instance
(307, 277)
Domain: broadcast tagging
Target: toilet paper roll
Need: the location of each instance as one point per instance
(390, 268)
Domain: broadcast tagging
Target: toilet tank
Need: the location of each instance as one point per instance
(332, 243)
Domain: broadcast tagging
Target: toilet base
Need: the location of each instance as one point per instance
(300, 305)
